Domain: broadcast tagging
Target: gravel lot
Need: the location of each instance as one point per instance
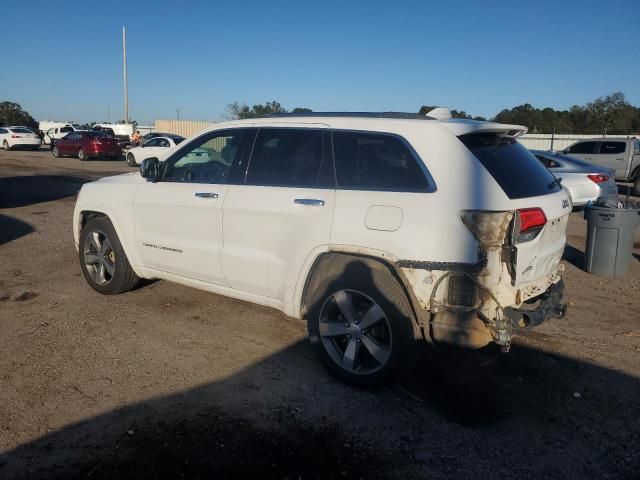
(167, 382)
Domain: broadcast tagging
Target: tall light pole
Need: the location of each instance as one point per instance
(124, 70)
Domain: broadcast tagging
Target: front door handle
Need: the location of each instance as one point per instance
(206, 195)
(310, 202)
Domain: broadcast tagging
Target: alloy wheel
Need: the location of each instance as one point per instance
(355, 332)
(99, 257)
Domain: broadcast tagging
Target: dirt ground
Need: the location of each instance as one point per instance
(171, 382)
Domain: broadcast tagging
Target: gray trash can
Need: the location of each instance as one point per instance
(610, 233)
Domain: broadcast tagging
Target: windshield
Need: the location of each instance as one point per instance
(516, 170)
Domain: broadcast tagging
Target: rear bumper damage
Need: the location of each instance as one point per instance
(549, 306)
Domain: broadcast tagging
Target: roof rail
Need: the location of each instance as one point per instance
(399, 115)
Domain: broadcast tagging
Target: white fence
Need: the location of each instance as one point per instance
(543, 141)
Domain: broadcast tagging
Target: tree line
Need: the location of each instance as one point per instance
(608, 115)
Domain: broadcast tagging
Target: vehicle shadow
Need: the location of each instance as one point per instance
(527, 413)
(26, 190)
(574, 256)
(12, 229)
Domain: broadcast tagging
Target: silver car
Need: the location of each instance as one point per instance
(584, 181)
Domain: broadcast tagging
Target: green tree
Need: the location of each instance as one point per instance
(237, 111)
(301, 110)
(12, 114)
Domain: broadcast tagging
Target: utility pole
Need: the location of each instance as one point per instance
(124, 70)
(178, 112)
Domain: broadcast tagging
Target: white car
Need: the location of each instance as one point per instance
(54, 133)
(378, 229)
(584, 181)
(156, 147)
(19, 137)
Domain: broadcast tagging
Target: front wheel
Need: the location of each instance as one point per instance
(82, 155)
(104, 264)
(361, 326)
(131, 160)
(55, 152)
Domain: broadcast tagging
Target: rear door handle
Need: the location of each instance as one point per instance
(310, 202)
(206, 195)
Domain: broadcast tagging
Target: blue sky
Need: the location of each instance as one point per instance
(479, 56)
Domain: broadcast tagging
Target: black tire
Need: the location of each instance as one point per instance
(122, 278)
(636, 186)
(82, 156)
(55, 152)
(373, 281)
(6, 146)
(131, 160)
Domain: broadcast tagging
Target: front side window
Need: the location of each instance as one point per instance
(66, 129)
(2, 130)
(376, 161)
(611, 148)
(208, 159)
(286, 157)
(582, 147)
(163, 142)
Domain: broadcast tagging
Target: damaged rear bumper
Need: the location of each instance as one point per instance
(549, 306)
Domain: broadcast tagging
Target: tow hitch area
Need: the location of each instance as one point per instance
(548, 307)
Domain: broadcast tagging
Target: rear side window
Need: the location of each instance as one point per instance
(376, 161)
(582, 147)
(286, 157)
(515, 169)
(612, 147)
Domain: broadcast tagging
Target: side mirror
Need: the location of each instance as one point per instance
(150, 169)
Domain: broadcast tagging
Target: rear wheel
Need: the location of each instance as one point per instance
(82, 155)
(6, 146)
(361, 326)
(131, 160)
(636, 186)
(102, 259)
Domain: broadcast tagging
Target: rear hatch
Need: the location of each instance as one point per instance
(538, 230)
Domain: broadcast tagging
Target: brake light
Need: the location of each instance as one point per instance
(530, 222)
(16, 136)
(597, 178)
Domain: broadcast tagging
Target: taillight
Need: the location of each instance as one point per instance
(16, 136)
(597, 178)
(529, 223)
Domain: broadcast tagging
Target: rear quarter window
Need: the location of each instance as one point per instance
(514, 168)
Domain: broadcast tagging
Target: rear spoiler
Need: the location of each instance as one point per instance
(464, 127)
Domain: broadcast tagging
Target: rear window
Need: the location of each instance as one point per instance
(20, 130)
(516, 170)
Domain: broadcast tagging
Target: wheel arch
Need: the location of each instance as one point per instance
(330, 264)
(89, 213)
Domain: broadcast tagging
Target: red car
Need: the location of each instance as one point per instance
(86, 144)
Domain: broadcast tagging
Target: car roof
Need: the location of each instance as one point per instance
(376, 121)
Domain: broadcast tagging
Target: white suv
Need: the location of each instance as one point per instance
(378, 229)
